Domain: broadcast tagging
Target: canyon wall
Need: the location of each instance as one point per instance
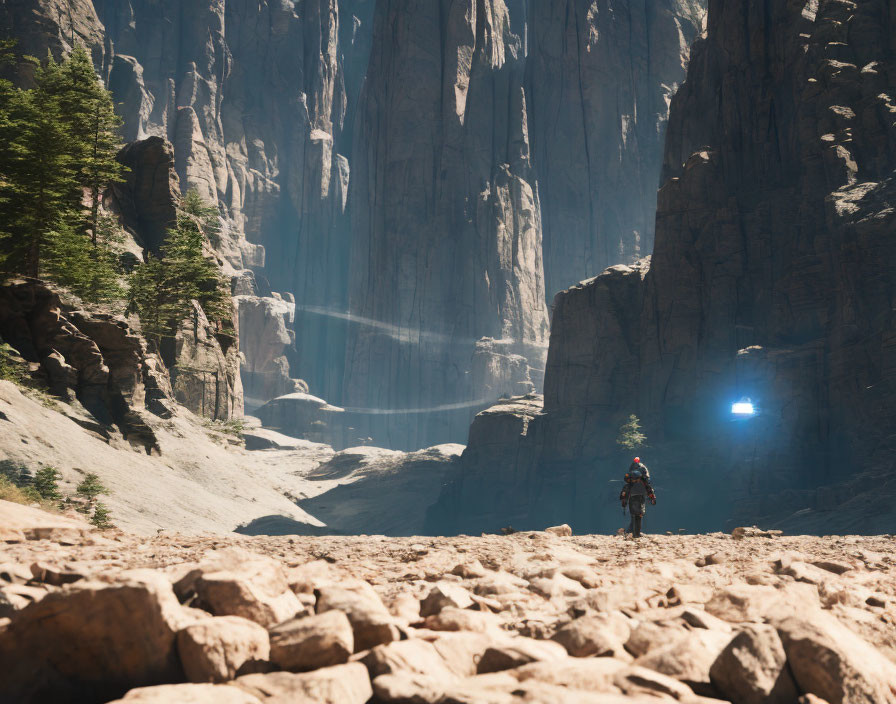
(398, 171)
(770, 279)
(600, 78)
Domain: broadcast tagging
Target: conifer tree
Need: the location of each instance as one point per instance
(630, 436)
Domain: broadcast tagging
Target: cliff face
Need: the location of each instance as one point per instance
(601, 76)
(393, 166)
(447, 237)
(769, 280)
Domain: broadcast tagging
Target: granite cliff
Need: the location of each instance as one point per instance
(769, 280)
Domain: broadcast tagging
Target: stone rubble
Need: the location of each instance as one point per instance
(437, 620)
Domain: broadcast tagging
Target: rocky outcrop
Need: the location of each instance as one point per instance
(767, 281)
(452, 253)
(600, 79)
(94, 358)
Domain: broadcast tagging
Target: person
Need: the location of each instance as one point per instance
(635, 493)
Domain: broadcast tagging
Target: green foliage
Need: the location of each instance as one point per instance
(46, 483)
(630, 436)
(11, 368)
(10, 491)
(91, 487)
(58, 141)
(234, 426)
(162, 290)
(102, 518)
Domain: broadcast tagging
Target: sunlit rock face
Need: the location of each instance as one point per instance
(770, 279)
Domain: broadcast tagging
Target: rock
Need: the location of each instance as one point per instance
(640, 680)
(251, 586)
(517, 652)
(835, 566)
(698, 618)
(312, 642)
(371, 622)
(448, 656)
(598, 635)
(741, 532)
(742, 602)
(189, 694)
(588, 674)
(341, 684)
(49, 574)
(688, 658)
(563, 531)
(445, 595)
(304, 579)
(453, 619)
(752, 668)
(220, 648)
(96, 638)
(828, 660)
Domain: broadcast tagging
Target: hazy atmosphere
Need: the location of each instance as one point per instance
(448, 351)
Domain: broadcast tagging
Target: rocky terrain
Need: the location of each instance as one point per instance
(767, 281)
(530, 617)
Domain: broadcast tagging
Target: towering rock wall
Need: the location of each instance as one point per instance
(600, 77)
(770, 279)
(447, 238)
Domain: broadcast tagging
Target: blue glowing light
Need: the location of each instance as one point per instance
(743, 408)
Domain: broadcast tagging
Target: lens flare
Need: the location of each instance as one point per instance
(743, 408)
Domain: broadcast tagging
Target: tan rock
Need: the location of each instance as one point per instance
(556, 586)
(14, 573)
(752, 669)
(99, 638)
(827, 659)
(585, 576)
(443, 595)
(590, 674)
(247, 585)
(517, 652)
(640, 680)
(372, 624)
(304, 579)
(689, 658)
(452, 619)
(312, 642)
(469, 570)
(742, 602)
(219, 648)
(189, 694)
(563, 530)
(601, 635)
(54, 575)
(650, 635)
(342, 684)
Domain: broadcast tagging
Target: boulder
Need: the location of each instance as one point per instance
(54, 575)
(372, 624)
(519, 651)
(93, 640)
(189, 694)
(590, 674)
(688, 658)
(752, 669)
(236, 583)
(304, 579)
(563, 531)
(445, 594)
(830, 661)
(312, 642)
(342, 684)
(219, 648)
(742, 602)
(600, 635)
(640, 680)
(452, 619)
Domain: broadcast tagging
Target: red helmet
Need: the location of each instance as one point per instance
(637, 460)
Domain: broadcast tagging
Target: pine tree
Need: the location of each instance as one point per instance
(630, 436)
(40, 186)
(89, 112)
(91, 487)
(46, 483)
(162, 290)
(102, 517)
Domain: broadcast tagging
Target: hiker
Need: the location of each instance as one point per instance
(635, 493)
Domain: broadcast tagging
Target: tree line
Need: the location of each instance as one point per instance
(58, 145)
